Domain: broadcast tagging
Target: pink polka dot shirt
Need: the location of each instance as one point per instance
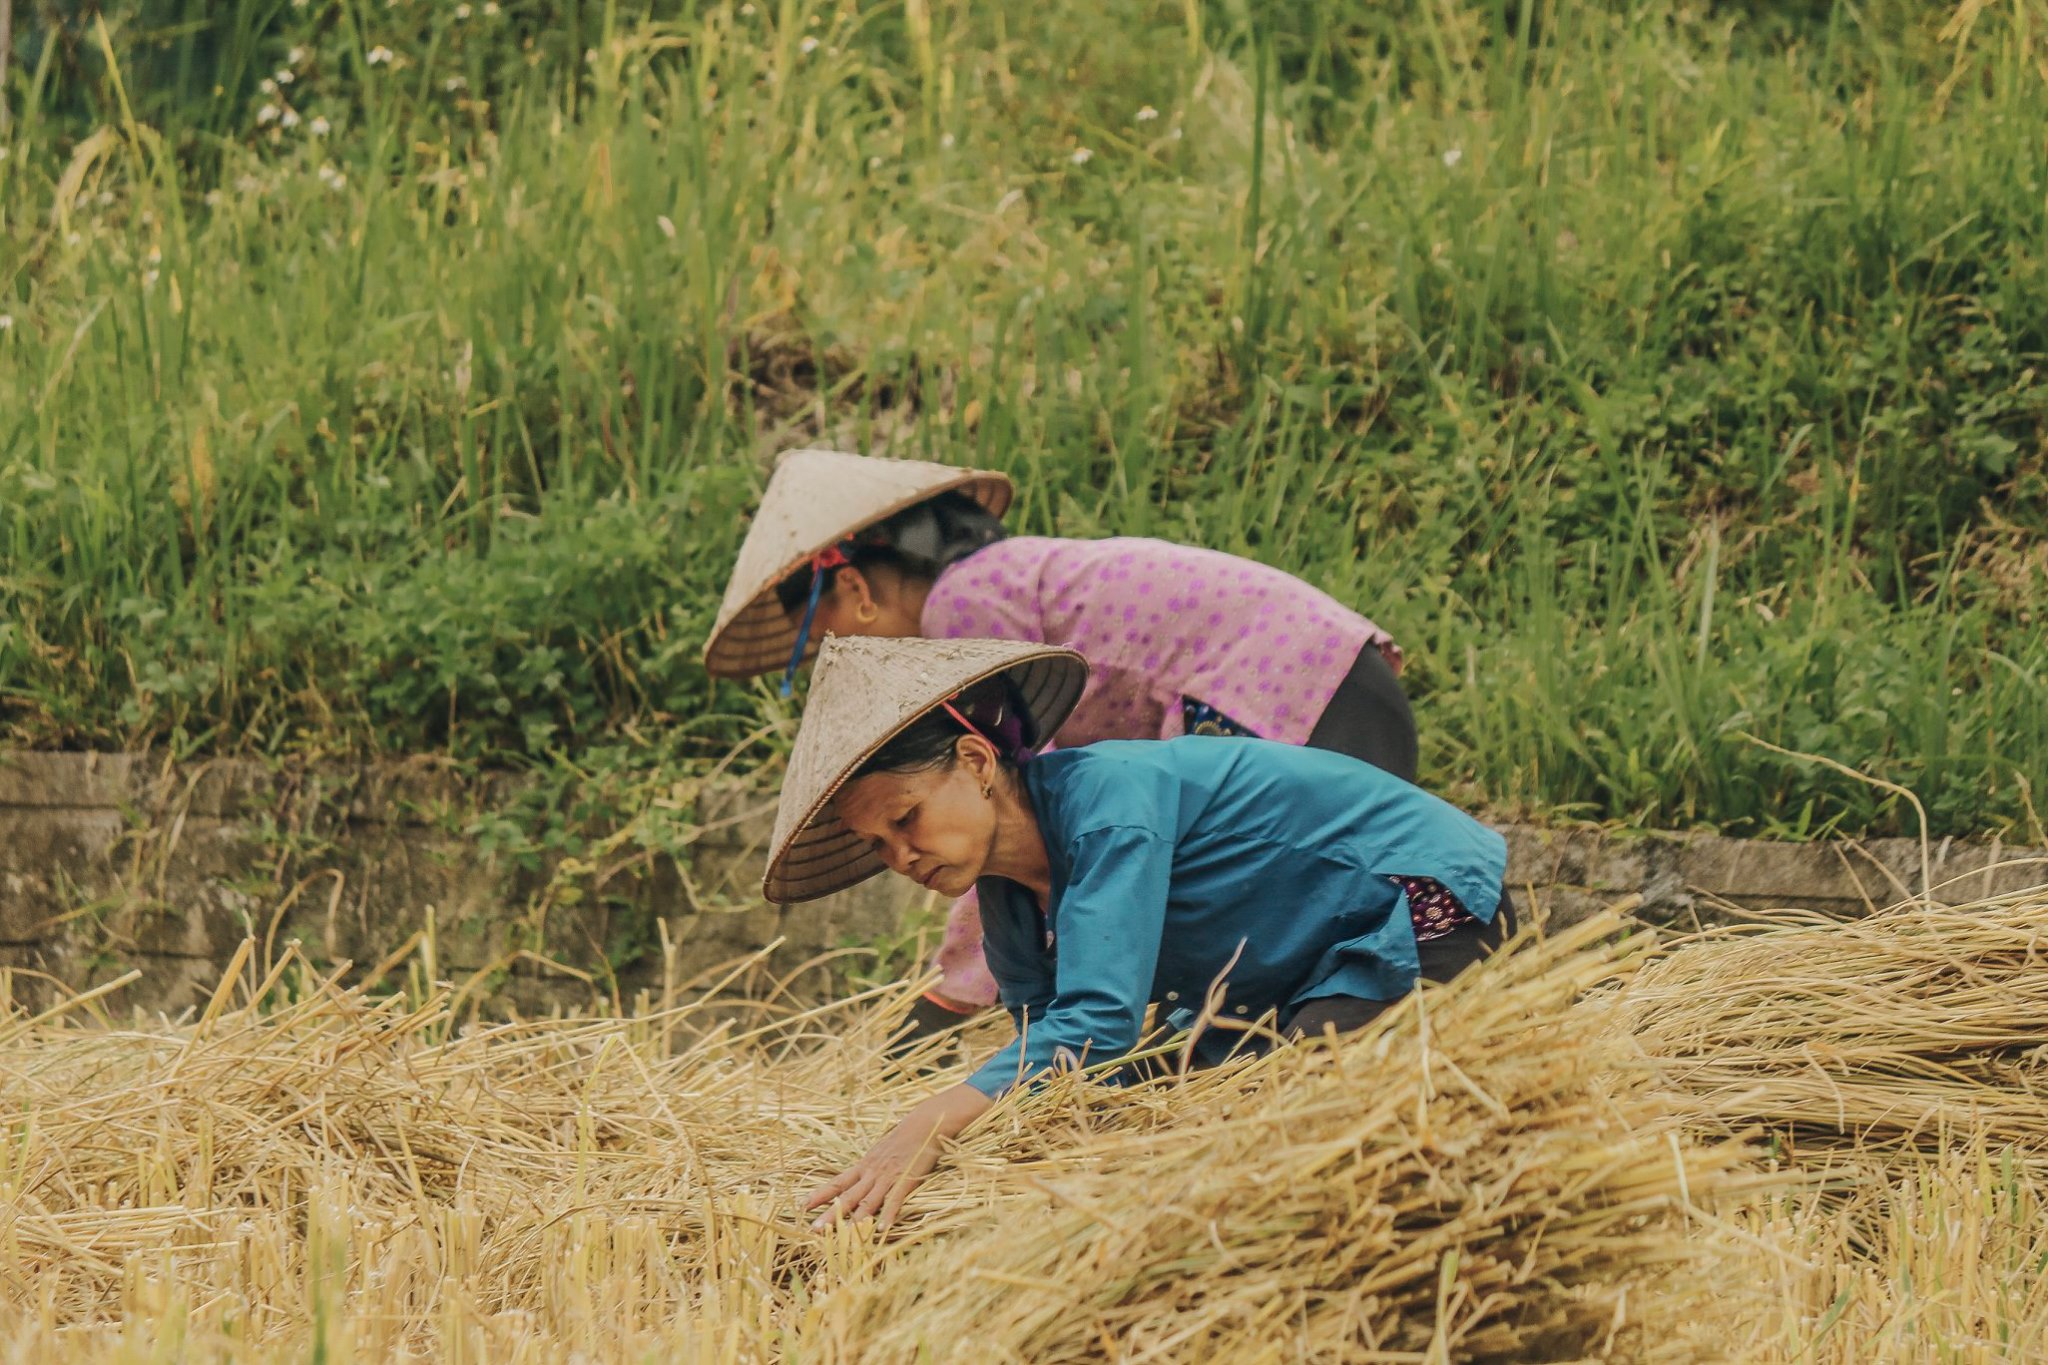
(1157, 623)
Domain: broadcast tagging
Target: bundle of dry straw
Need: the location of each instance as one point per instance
(314, 1170)
(1912, 1028)
(1482, 1180)
(1895, 1257)
(1511, 1167)
(1900, 1062)
(329, 1174)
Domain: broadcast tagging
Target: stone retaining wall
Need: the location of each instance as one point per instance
(109, 862)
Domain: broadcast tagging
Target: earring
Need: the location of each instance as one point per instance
(867, 613)
(987, 790)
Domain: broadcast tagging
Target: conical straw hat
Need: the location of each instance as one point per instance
(814, 500)
(867, 691)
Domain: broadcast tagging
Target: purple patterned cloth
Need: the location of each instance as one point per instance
(1160, 625)
(1432, 909)
(1159, 622)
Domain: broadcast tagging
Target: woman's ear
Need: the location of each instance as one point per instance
(855, 594)
(978, 757)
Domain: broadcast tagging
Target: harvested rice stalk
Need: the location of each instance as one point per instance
(337, 1164)
(1901, 1030)
(1475, 1181)
(1893, 1259)
(338, 1175)
(1494, 1174)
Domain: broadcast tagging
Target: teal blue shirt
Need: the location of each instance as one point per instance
(1258, 869)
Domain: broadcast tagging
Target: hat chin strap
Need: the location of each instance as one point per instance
(820, 562)
(1014, 749)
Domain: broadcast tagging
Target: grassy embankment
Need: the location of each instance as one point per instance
(387, 379)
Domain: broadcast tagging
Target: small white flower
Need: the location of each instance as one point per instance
(1082, 156)
(267, 114)
(106, 197)
(807, 46)
(72, 239)
(746, 11)
(946, 140)
(283, 75)
(319, 127)
(214, 199)
(295, 56)
(150, 277)
(454, 83)
(874, 163)
(1454, 156)
(331, 178)
(248, 184)
(288, 119)
(6, 322)
(379, 56)
(1175, 134)
(462, 11)
(267, 86)
(667, 226)
(491, 10)
(1147, 114)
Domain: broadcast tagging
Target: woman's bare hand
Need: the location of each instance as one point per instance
(877, 1184)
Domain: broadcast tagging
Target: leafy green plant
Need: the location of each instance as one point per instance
(386, 378)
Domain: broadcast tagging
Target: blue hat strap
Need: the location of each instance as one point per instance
(820, 563)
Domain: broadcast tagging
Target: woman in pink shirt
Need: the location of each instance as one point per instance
(1179, 640)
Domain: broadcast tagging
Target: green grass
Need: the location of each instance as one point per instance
(1660, 374)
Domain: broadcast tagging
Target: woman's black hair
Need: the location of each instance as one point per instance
(933, 739)
(917, 542)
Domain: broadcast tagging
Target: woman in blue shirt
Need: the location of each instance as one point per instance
(1227, 881)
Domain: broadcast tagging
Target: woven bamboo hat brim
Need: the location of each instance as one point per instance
(814, 500)
(865, 692)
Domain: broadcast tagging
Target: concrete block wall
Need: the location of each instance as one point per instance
(111, 861)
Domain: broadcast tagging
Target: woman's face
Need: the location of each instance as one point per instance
(934, 825)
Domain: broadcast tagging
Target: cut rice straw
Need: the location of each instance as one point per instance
(350, 1171)
(1554, 1157)
(1900, 1030)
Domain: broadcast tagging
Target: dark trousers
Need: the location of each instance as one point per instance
(1442, 959)
(1368, 718)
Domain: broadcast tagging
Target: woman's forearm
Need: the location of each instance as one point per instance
(956, 1108)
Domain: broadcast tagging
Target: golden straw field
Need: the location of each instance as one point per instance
(385, 388)
(1793, 1141)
